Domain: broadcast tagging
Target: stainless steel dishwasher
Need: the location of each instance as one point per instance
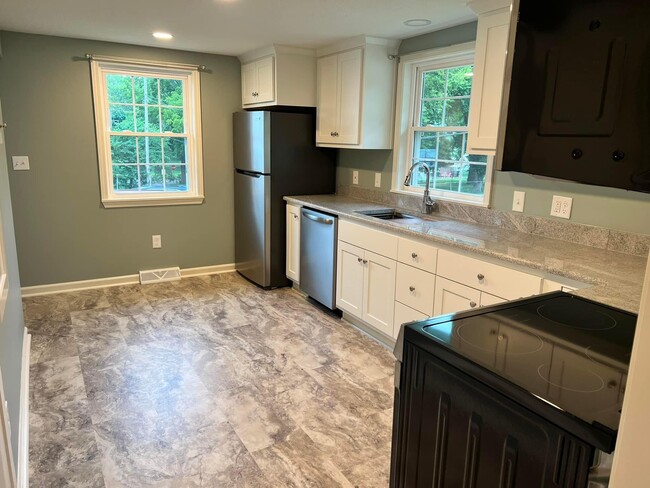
(318, 234)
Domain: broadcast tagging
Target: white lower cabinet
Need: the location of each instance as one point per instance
(415, 288)
(404, 314)
(453, 297)
(487, 299)
(293, 243)
(365, 286)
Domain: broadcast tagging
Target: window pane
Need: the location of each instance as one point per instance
(147, 118)
(175, 150)
(432, 113)
(433, 84)
(146, 90)
(151, 177)
(125, 178)
(451, 145)
(456, 112)
(171, 92)
(121, 118)
(123, 150)
(119, 88)
(459, 81)
(473, 178)
(172, 120)
(150, 150)
(447, 176)
(425, 145)
(176, 177)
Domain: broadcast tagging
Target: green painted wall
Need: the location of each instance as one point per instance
(12, 324)
(593, 205)
(62, 231)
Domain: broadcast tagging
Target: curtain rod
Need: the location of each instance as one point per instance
(143, 62)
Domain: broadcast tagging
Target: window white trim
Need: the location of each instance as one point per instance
(192, 104)
(407, 99)
(4, 282)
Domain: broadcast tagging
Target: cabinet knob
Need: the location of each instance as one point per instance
(365, 261)
(336, 134)
(332, 133)
(480, 277)
(412, 288)
(359, 260)
(3, 125)
(414, 255)
(472, 304)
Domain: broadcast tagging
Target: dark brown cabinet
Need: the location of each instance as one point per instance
(452, 431)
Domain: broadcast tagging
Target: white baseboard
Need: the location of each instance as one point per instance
(32, 291)
(23, 428)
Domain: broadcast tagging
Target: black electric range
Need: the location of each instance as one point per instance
(562, 356)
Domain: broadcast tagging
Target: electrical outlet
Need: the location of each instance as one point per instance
(20, 163)
(561, 207)
(355, 177)
(156, 242)
(518, 199)
(378, 180)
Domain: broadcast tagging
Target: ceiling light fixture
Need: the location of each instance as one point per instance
(163, 35)
(417, 22)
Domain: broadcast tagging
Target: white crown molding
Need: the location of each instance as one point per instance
(32, 291)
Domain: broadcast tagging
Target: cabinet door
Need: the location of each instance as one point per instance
(379, 292)
(265, 80)
(293, 243)
(326, 111)
(349, 279)
(349, 97)
(487, 83)
(453, 297)
(487, 299)
(248, 83)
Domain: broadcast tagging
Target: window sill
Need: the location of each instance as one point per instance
(152, 201)
(415, 193)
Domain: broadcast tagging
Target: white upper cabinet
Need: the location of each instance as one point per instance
(278, 75)
(356, 94)
(489, 75)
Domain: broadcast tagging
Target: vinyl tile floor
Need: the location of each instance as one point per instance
(205, 382)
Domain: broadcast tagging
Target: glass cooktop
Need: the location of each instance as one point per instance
(570, 352)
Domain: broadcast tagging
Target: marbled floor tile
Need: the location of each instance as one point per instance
(127, 298)
(56, 382)
(297, 462)
(48, 307)
(160, 291)
(258, 422)
(48, 347)
(71, 416)
(87, 300)
(52, 327)
(84, 475)
(62, 450)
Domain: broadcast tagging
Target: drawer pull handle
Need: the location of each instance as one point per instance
(414, 255)
(472, 304)
(480, 276)
(365, 261)
(359, 259)
(412, 288)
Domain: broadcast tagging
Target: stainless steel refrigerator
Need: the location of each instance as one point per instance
(275, 155)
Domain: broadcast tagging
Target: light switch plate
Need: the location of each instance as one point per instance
(156, 242)
(355, 177)
(518, 200)
(20, 163)
(378, 180)
(561, 207)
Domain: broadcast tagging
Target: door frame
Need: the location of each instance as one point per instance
(7, 470)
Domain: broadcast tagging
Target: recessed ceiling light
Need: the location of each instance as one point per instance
(163, 35)
(417, 22)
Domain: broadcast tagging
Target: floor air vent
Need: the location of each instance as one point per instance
(160, 275)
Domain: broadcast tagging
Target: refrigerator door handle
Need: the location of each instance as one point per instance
(315, 218)
(254, 174)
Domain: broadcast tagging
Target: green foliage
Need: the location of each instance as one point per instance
(147, 105)
(438, 86)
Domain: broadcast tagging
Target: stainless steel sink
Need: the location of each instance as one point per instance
(386, 214)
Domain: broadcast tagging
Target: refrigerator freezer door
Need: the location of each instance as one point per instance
(252, 148)
(253, 227)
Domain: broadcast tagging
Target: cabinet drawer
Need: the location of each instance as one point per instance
(415, 288)
(370, 239)
(487, 299)
(417, 254)
(491, 278)
(404, 314)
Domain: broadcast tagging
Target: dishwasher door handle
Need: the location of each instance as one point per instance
(318, 219)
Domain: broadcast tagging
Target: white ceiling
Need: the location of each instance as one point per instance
(229, 26)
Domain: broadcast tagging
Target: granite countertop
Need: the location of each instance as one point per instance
(615, 278)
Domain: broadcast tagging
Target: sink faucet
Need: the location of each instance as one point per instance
(428, 203)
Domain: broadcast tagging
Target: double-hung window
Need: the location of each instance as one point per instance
(432, 124)
(148, 125)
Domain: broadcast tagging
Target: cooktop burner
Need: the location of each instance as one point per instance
(571, 352)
